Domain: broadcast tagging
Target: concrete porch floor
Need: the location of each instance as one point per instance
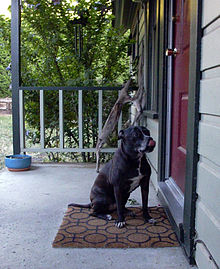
(32, 206)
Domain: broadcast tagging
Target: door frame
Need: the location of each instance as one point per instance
(171, 186)
(181, 215)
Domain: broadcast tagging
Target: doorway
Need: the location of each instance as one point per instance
(177, 104)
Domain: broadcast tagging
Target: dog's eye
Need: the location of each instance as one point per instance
(136, 134)
(146, 132)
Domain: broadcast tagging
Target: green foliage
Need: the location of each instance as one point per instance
(48, 44)
(5, 58)
(58, 51)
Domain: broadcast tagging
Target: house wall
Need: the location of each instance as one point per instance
(151, 124)
(207, 219)
(208, 180)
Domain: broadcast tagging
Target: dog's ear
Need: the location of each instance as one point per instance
(121, 135)
(145, 131)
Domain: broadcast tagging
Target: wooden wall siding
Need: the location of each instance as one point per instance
(210, 96)
(211, 9)
(141, 32)
(207, 227)
(153, 178)
(210, 48)
(152, 125)
(209, 138)
(208, 177)
(202, 258)
(141, 25)
(211, 73)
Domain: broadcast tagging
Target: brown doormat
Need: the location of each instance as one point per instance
(80, 230)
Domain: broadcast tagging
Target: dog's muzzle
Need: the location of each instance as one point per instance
(152, 143)
(149, 147)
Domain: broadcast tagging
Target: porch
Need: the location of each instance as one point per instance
(32, 207)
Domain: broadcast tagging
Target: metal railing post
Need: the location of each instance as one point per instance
(22, 120)
(42, 124)
(100, 101)
(61, 119)
(80, 118)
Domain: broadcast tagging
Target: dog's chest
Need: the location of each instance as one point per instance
(135, 181)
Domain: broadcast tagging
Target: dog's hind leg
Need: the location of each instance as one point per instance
(128, 212)
(101, 216)
(101, 211)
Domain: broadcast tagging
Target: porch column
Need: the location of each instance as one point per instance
(15, 67)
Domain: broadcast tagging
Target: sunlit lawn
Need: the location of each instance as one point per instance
(5, 137)
(6, 143)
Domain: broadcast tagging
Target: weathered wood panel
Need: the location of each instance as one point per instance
(210, 96)
(211, 9)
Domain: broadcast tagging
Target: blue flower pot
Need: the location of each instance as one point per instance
(18, 162)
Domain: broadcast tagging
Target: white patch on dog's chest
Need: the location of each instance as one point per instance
(135, 181)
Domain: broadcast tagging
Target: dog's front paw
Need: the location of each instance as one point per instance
(119, 224)
(149, 219)
(108, 217)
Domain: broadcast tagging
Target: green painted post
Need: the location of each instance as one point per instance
(192, 132)
(15, 66)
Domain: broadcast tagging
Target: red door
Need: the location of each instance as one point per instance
(181, 24)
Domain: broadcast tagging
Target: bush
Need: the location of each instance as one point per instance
(5, 59)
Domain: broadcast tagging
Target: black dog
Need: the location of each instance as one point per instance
(127, 170)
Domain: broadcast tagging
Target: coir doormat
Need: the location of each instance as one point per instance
(80, 230)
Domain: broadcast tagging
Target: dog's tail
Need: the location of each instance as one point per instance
(82, 206)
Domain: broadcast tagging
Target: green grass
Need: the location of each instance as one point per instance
(5, 137)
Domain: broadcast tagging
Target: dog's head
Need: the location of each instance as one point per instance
(137, 139)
